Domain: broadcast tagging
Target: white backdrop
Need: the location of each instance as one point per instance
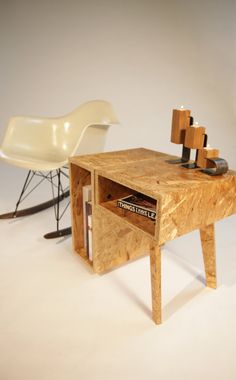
(146, 57)
(57, 321)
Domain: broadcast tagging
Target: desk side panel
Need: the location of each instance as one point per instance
(114, 241)
(79, 177)
(190, 209)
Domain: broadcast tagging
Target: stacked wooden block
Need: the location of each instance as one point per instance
(192, 137)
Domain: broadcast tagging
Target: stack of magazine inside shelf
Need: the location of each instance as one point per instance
(87, 213)
(139, 204)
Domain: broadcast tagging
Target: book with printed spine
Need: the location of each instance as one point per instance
(139, 204)
(89, 230)
(87, 196)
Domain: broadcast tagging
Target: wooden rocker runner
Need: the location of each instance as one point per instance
(43, 146)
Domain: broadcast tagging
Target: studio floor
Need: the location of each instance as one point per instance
(58, 321)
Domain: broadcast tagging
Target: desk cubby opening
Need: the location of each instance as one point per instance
(80, 177)
(109, 192)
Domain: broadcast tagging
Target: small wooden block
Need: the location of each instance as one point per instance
(194, 137)
(180, 121)
(205, 153)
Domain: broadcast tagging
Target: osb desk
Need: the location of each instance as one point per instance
(185, 200)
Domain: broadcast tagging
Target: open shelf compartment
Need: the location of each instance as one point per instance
(109, 192)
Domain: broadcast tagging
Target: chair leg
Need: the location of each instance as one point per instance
(16, 213)
(34, 209)
(26, 184)
(55, 201)
(58, 215)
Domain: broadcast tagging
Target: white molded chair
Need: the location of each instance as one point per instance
(43, 146)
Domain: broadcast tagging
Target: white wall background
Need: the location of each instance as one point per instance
(145, 56)
(57, 321)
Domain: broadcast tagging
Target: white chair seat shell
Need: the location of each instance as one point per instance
(45, 144)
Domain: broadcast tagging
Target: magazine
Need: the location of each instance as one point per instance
(139, 204)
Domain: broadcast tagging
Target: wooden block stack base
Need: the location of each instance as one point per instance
(205, 153)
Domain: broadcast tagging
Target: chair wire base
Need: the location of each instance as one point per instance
(58, 196)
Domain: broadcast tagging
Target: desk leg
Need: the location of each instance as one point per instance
(208, 249)
(155, 263)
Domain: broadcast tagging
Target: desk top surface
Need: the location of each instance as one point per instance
(147, 171)
(187, 199)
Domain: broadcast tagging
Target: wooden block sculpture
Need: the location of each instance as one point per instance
(181, 121)
(193, 136)
(203, 157)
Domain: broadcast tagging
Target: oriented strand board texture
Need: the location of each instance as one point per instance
(194, 207)
(114, 241)
(134, 243)
(107, 193)
(155, 267)
(78, 178)
(207, 235)
(188, 199)
(114, 160)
